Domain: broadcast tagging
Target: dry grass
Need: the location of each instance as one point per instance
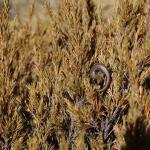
(40, 68)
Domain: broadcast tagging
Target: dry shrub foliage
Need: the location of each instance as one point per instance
(40, 69)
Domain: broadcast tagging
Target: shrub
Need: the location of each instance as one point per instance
(47, 100)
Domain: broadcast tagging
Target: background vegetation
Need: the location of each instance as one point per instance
(47, 99)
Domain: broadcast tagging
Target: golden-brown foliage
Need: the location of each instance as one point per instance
(47, 100)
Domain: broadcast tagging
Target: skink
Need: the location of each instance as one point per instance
(103, 69)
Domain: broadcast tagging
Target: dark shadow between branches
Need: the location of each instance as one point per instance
(137, 136)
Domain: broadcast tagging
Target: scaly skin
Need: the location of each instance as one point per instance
(102, 68)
